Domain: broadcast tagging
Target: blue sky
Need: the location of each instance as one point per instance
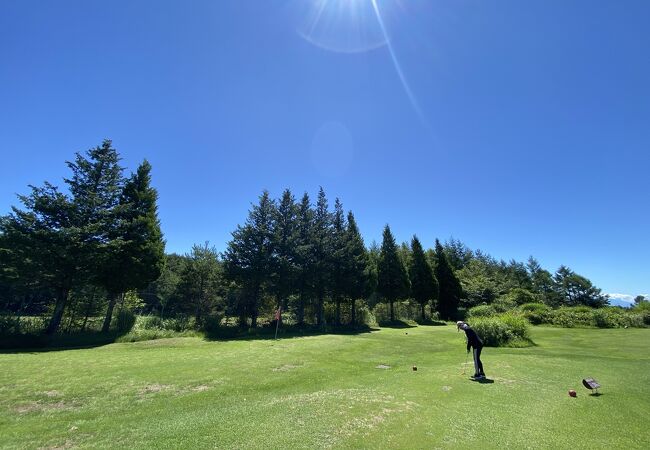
(521, 128)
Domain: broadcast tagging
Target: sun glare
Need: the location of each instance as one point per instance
(353, 26)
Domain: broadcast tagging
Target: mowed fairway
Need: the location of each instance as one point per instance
(326, 391)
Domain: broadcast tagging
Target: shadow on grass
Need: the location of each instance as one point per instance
(395, 324)
(432, 323)
(37, 343)
(286, 331)
(484, 381)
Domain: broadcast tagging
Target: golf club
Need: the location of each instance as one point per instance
(465, 363)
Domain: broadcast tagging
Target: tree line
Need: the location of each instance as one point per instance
(76, 253)
(100, 235)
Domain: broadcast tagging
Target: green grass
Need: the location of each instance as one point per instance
(325, 391)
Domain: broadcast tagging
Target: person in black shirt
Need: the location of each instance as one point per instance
(473, 341)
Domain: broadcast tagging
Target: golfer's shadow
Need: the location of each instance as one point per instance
(484, 381)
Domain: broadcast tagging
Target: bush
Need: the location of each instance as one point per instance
(604, 319)
(517, 324)
(9, 325)
(482, 311)
(365, 315)
(124, 321)
(642, 309)
(149, 323)
(501, 330)
(137, 335)
(520, 296)
(571, 317)
(504, 304)
(181, 324)
(536, 313)
(616, 318)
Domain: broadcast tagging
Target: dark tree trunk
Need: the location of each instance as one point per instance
(423, 318)
(392, 313)
(112, 300)
(57, 315)
(354, 312)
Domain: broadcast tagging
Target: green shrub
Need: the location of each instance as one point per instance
(504, 304)
(501, 330)
(149, 323)
(482, 311)
(643, 309)
(612, 317)
(137, 335)
(633, 320)
(365, 315)
(124, 320)
(517, 324)
(536, 313)
(568, 317)
(604, 319)
(520, 296)
(9, 325)
(181, 323)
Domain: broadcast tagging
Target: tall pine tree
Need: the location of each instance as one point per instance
(322, 248)
(132, 255)
(249, 256)
(339, 263)
(393, 279)
(285, 245)
(356, 276)
(305, 262)
(424, 286)
(449, 287)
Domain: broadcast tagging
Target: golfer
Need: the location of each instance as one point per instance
(474, 342)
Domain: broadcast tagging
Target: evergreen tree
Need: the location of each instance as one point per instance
(356, 282)
(578, 290)
(305, 261)
(285, 245)
(424, 286)
(458, 253)
(44, 242)
(322, 250)
(249, 256)
(372, 274)
(449, 287)
(393, 279)
(339, 263)
(132, 255)
(200, 280)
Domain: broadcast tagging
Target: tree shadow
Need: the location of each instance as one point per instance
(396, 324)
(285, 332)
(40, 343)
(432, 323)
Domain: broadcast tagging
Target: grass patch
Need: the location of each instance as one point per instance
(326, 391)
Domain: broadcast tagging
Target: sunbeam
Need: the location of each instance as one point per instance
(398, 68)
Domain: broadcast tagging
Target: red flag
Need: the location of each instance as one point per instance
(278, 313)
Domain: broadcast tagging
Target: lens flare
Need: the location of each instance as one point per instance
(353, 26)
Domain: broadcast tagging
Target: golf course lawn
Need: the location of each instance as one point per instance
(328, 392)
